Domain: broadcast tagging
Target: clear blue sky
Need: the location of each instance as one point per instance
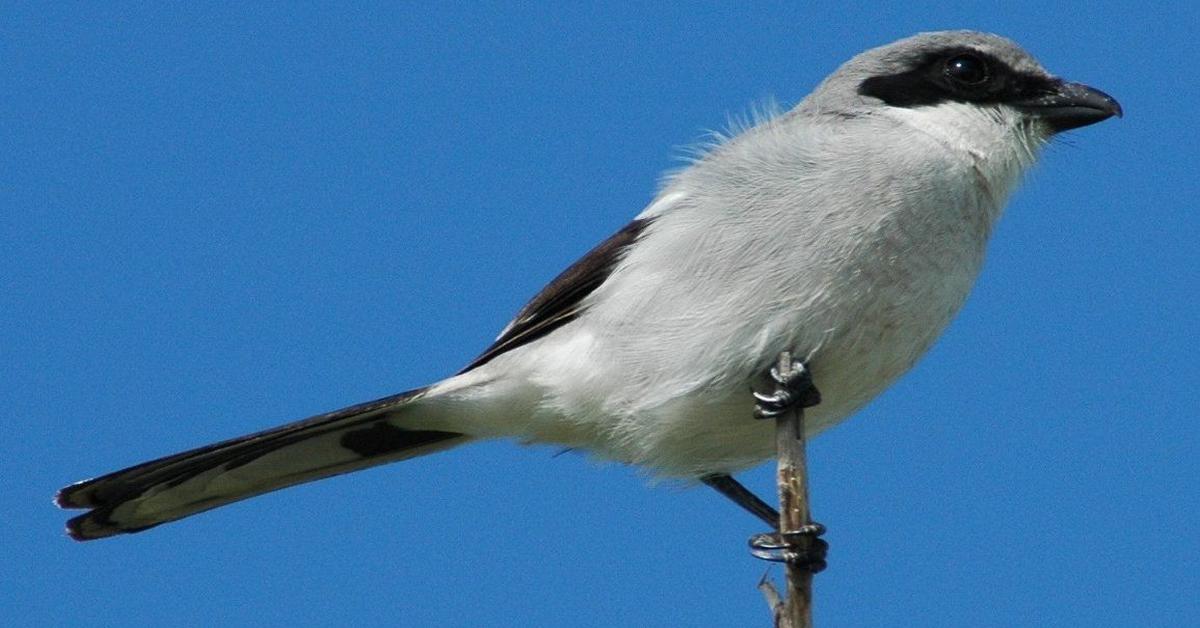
(217, 220)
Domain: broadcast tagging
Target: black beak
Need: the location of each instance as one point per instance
(1071, 105)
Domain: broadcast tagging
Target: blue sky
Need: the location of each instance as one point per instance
(220, 219)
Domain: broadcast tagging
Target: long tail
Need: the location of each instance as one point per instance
(170, 488)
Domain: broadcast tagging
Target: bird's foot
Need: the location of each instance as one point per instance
(794, 390)
(804, 548)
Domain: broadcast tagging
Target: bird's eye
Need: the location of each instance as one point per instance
(967, 70)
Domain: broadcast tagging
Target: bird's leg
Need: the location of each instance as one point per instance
(796, 390)
(742, 496)
(798, 544)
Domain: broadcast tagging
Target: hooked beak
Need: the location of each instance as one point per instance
(1070, 106)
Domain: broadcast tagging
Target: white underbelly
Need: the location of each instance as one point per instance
(864, 346)
(867, 331)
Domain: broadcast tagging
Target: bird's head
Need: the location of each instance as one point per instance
(961, 80)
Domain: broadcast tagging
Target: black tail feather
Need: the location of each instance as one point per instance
(176, 486)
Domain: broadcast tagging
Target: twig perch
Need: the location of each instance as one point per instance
(796, 529)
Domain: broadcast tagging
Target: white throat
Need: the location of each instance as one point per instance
(999, 141)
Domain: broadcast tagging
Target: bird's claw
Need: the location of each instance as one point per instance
(804, 548)
(769, 406)
(794, 390)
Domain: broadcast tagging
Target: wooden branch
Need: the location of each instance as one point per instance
(794, 515)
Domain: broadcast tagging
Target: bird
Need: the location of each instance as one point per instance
(847, 230)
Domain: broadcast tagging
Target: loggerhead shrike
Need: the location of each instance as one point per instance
(848, 231)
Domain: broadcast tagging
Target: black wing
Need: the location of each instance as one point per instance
(559, 302)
